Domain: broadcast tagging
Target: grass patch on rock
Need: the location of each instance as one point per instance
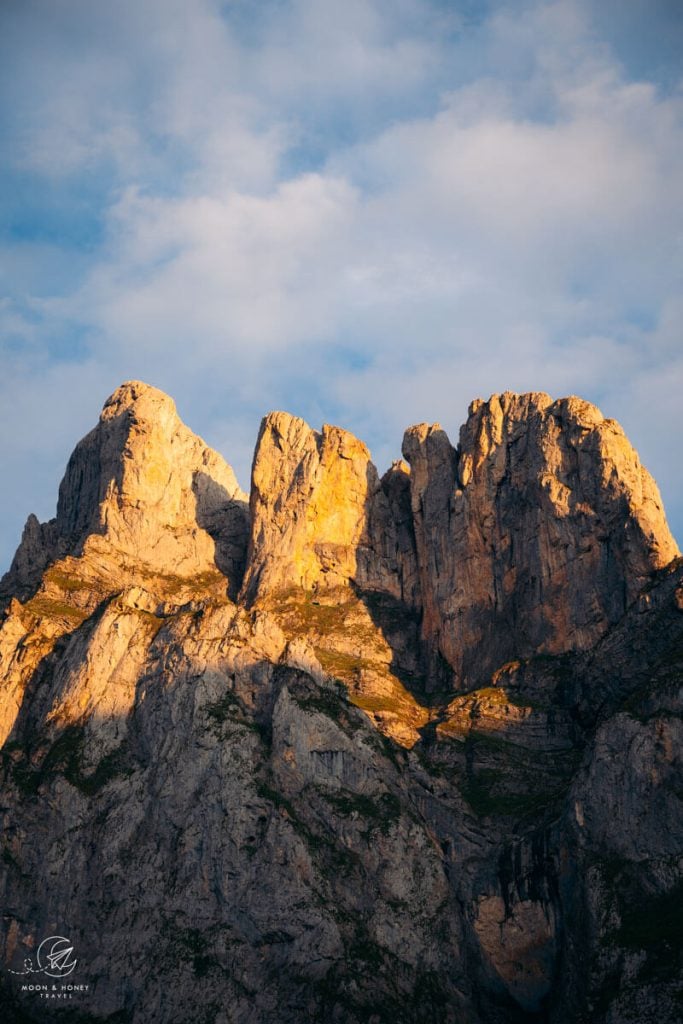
(47, 607)
(64, 758)
(381, 813)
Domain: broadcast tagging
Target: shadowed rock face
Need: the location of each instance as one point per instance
(533, 536)
(401, 749)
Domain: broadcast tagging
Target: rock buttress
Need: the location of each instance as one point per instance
(534, 535)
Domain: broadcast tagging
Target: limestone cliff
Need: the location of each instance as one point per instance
(398, 749)
(144, 492)
(144, 502)
(322, 518)
(534, 535)
(331, 557)
(309, 498)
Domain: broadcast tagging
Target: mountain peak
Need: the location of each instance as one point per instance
(535, 534)
(144, 402)
(493, 609)
(134, 392)
(308, 505)
(141, 494)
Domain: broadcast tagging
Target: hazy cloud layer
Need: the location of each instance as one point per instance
(365, 213)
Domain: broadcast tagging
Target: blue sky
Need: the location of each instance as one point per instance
(366, 213)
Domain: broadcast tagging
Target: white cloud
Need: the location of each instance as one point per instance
(233, 271)
(493, 206)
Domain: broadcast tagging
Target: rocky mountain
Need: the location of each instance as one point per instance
(361, 750)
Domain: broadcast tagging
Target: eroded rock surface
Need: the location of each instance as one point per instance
(414, 757)
(534, 535)
(144, 503)
(143, 492)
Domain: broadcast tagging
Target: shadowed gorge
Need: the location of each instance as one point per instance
(392, 749)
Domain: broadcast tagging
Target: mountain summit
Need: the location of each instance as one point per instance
(352, 748)
(141, 492)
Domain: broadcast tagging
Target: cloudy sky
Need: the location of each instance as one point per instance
(365, 213)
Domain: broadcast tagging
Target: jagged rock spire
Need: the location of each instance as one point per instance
(310, 496)
(534, 535)
(142, 489)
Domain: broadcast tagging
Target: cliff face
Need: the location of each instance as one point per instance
(535, 535)
(322, 520)
(309, 500)
(144, 502)
(398, 749)
(141, 493)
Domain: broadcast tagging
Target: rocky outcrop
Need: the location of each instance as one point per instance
(263, 797)
(143, 503)
(322, 519)
(144, 492)
(534, 535)
(309, 498)
(332, 557)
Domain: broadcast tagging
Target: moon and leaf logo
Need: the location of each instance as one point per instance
(54, 958)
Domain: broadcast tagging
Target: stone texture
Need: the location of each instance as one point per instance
(279, 808)
(519, 944)
(144, 492)
(309, 497)
(143, 502)
(534, 535)
(328, 538)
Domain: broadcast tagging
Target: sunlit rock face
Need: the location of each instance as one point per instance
(403, 748)
(144, 493)
(323, 520)
(144, 502)
(534, 535)
(309, 498)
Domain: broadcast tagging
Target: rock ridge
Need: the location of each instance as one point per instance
(535, 534)
(402, 748)
(532, 536)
